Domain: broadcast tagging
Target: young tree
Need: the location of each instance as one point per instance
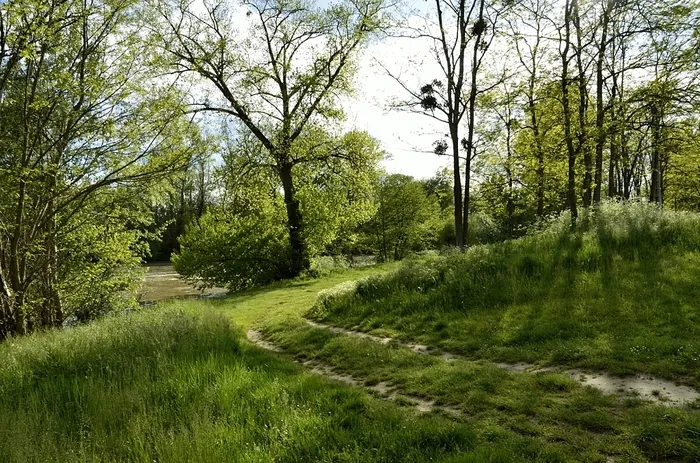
(285, 73)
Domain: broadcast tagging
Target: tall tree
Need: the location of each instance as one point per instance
(285, 72)
(582, 134)
(528, 30)
(564, 52)
(240, 241)
(602, 44)
(461, 33)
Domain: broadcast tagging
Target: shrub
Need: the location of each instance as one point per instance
(234, 250)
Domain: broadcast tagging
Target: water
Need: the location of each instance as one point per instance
(162, 282)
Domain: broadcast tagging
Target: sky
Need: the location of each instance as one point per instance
(407, 137)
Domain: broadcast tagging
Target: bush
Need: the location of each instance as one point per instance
(234, 250)
(100, 272)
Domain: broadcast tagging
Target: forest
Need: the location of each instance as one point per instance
(223, 136)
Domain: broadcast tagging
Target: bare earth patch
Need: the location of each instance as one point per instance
(257, 338)
(359, 334)
(643, 386)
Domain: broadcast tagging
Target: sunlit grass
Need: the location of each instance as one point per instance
(556, 415)
(619, 294)
(170, 385)
(179, 384)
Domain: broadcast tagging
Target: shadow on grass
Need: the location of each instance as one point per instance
(619, 294)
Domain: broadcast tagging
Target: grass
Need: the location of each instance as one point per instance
(170, 385)
(558, 418)
(178, 383)
(620, 294)
(284, 299)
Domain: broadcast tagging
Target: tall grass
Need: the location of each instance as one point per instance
(618, 292)
(173, 385)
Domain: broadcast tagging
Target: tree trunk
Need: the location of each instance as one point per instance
(299, 259)
(539, 154)
(613, 187)
(510, 203)
(471, 123)
(51, 309)
(539, 151)
(600, 110)
(656, 195)
(201, 194)
(16, 274)
(5, 304)
(582, 145)
(459, 231)
(571, 186)
(614, 166)
(382, 215)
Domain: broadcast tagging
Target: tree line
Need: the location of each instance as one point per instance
(596, 99)
(216, 130)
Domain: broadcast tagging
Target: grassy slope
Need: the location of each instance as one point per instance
(279, 301)
(168, 385)
(536, 418)
(620, 296)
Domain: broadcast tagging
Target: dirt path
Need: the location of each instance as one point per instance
(644, 386)
(382, 390)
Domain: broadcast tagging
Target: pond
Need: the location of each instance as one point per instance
(162, 282)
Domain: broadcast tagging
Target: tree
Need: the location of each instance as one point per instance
(461, 33)
(407, 218)
(178, 200)
(79, 117)
(682, 179)
(564, 48)
(499, 127)
(440, 186)
(528, 30)
(288, 74)
(238, 242)
(235, 250)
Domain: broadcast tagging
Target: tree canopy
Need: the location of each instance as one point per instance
(216, 133)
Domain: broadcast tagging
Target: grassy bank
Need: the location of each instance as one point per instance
(168, 385)
(619, 294)
(178, 383)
